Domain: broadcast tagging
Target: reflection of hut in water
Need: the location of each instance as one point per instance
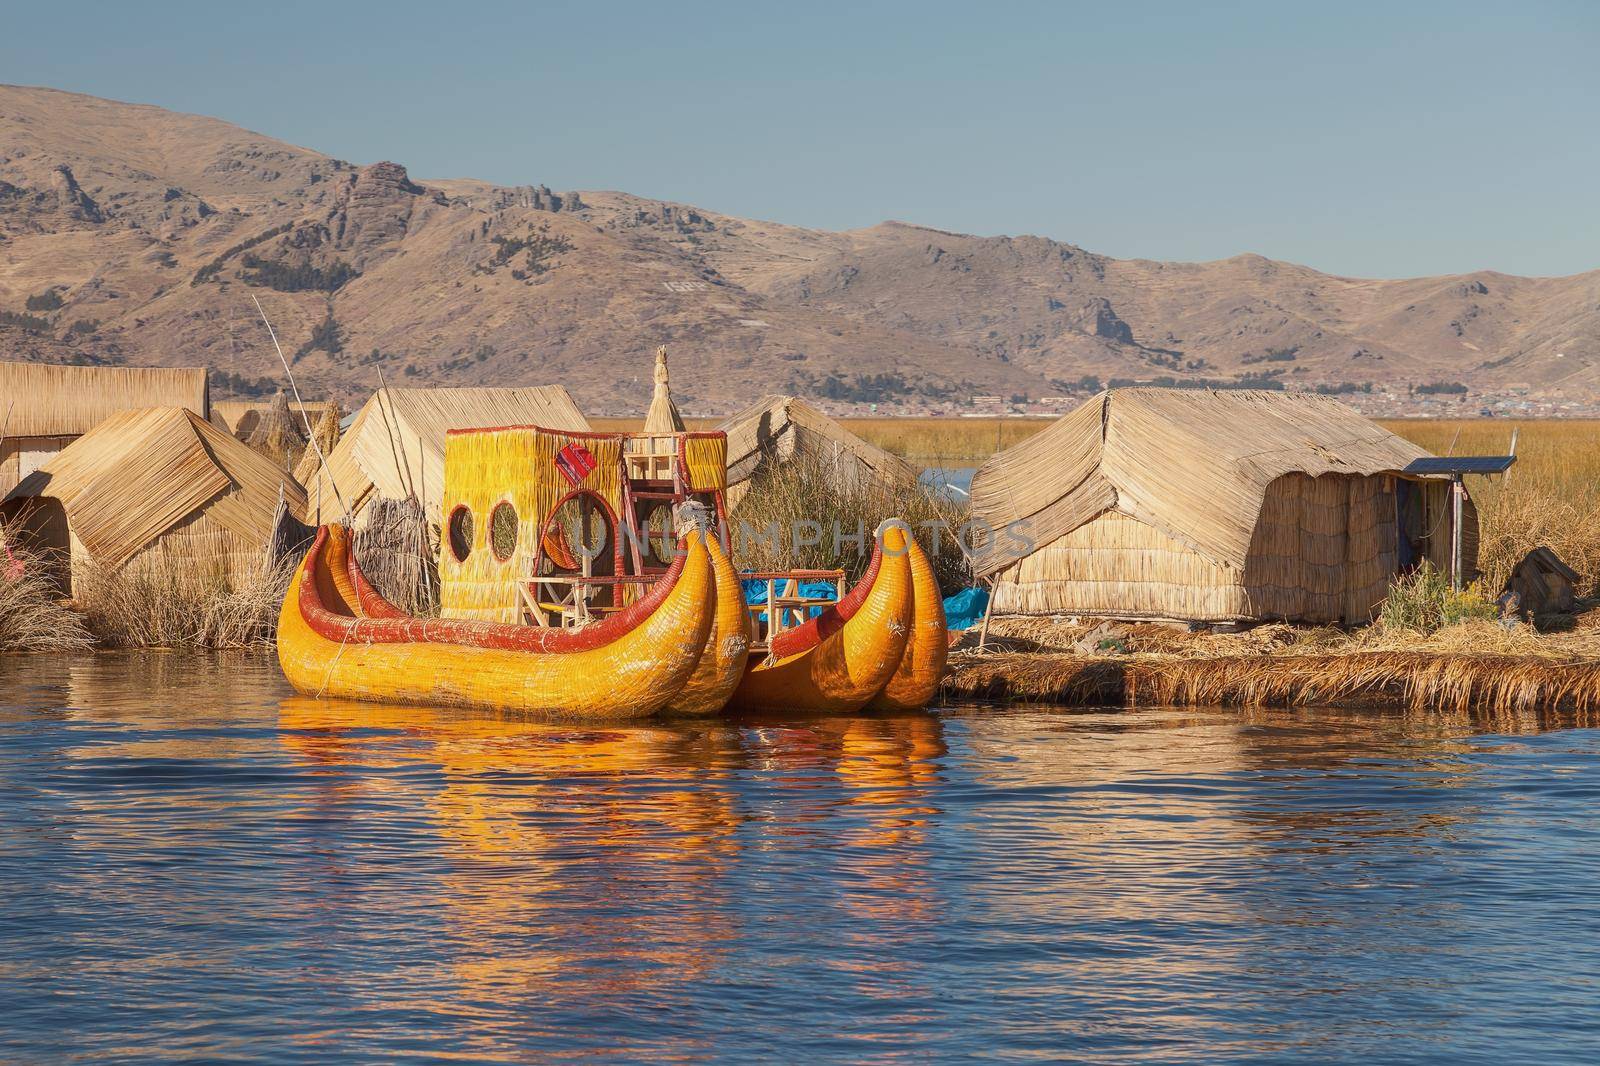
(158, 485)
(394, 447)
(781, 429)
(1213, 506)
(45, 407)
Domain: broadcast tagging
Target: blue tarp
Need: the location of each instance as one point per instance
(965, 609)
(755, 594)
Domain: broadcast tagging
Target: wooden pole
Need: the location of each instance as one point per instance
(988, 609)
(1457, 491)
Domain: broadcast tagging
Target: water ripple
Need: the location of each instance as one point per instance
(199, 865)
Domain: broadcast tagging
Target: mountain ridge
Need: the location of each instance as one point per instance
(133, 234)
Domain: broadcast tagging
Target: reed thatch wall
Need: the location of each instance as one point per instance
(775, 429)
(50, 400)
(1206, 506)
(516, 467)
(395, 446)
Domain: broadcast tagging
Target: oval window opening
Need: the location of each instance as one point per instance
(503, 530)
(460, 533)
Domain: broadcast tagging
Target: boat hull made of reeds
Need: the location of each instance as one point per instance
(338, 638)
(874, 648)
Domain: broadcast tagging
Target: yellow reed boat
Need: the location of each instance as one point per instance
(882, 645)
(337, 637)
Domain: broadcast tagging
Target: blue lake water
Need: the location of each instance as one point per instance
(198, 866)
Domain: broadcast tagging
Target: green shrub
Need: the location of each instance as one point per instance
(1423, 601)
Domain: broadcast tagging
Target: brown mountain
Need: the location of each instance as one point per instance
(136, 235)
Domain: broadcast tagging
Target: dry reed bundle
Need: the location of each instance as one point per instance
(169, 602)
(1414, 680)
(1477, 666)
(1031, 677)
(805, 489)
(398, 551)
(278, 435)
(32, 616)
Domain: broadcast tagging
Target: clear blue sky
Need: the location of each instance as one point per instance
(1370, 139)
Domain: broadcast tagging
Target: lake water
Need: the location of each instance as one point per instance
(197, 865)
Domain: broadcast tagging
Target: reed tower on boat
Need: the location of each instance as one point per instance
(554, 527)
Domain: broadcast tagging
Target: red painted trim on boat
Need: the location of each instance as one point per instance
(370, 600)
(814, 631)
(468, 633)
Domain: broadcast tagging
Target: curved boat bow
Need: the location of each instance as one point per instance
(338, 637)
(840, 660)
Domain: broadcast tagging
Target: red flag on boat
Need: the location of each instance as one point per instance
(575, 461)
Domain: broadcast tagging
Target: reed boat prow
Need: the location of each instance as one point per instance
(842, 659)
(339, 638)
(727, 650)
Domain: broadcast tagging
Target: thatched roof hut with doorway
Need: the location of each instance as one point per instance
(1214, 506)
(158, 484)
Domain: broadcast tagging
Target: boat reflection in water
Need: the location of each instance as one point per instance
(588, 861)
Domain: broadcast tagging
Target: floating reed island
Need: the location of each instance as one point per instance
(1249, 510)
(1474, 664)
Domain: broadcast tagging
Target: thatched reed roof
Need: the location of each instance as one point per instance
(1192, 463)
(395, 446)
(240, 417)
(51, 400)
(140, 473)
(663, 416)
(324, 438)
(780, 427)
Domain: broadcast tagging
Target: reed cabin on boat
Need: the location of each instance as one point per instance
(555, 527)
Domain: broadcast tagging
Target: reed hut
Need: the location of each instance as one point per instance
(157, 484)
(780, 429)
(243, 417)
(45, 406)
(1210, 506)
(394, 448)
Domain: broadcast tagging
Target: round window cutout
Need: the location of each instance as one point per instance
(576, 531)
(460, 533)
(503, 530)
